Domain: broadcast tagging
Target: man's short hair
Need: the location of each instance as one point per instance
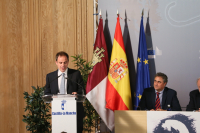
(62, 53)
(164, 76)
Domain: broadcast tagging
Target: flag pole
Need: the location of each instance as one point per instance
(142, 12)
(100, 14)
(117, 13)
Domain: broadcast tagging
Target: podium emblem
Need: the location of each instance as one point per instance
(63, 102)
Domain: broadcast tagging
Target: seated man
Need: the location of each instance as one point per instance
(194, 104)
(159, 97)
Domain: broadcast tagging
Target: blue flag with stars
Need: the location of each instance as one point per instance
(143, 78)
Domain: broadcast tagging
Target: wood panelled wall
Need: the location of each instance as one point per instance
(31, 33)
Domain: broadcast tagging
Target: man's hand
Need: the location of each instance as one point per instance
(198, 110)
(161, 110)
(74, 93)
(152, 110)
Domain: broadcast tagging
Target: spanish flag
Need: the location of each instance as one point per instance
(118, 92)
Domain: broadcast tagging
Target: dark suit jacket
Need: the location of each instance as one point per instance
(75, 78)
(194, 103)
(169, 98)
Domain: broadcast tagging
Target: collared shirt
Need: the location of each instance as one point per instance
(60, 78)
(160, 96)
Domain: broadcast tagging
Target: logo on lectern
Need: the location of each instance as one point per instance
(178, 123)
(63, 102)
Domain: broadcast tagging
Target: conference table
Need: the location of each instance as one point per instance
(157, 121)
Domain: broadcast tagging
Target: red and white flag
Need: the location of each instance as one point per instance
(97, 79)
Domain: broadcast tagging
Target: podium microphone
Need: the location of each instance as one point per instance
(48, 97)
(77, 84)
(52, 81)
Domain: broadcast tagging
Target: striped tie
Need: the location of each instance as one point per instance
(157, 105)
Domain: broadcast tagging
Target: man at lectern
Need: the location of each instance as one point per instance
(194, 104)
(159, 97)
(66, 81)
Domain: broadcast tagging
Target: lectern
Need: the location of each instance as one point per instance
(64, 112)
(156, 122)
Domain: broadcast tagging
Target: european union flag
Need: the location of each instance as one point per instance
(143, 79)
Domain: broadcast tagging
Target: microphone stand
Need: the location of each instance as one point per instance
(52, 81)
(48, 98)
(79, 98)
(78, 85)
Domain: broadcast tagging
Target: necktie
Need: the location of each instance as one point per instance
(157, 104)
(62, 84)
